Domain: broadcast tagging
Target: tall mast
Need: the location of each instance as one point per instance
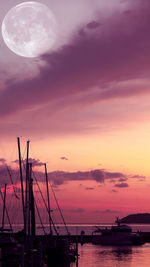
(28, 202)
(21, 180)
(29, 198)
(27, 171)
(48, 200)
(4, 207)
(32, 207)
(27, 188)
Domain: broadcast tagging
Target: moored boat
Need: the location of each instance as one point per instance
(118, 235)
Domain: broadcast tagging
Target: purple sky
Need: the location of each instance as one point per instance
(104, 56)
(86, 102)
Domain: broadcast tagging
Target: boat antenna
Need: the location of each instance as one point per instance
(118, 221)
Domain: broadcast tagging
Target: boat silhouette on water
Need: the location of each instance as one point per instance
(117, 235)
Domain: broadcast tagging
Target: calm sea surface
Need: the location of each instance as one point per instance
(97, 256)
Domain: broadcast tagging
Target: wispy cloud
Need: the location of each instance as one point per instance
(2, 160)
(89, 188)
(35, 162)
(79, 210)
(106, 211)
(99, 176)
(123, 179)
(114, 191)
(121, 185)
(64, 158)
(138, 176)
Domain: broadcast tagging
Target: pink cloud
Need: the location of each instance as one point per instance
(122, 185)
(118, 50)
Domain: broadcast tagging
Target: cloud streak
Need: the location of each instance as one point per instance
(79, 210)
(64, 158)
(35, 162)
(121, 185)
(108, 211)
(59, 177)
(104, 54)
(2, 160)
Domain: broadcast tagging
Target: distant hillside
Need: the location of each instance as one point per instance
(136, 218)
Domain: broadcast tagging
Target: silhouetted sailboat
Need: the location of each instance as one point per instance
(29, 248)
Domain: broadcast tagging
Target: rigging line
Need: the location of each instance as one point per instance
(42, 198)
(47, 241)
(6, 211)
(44, 202)
(39, 217)
(10, 176)
(59, 209)
(11, 204)
(16, 174)
(25, 148)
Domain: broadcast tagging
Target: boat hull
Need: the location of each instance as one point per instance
(117, 239)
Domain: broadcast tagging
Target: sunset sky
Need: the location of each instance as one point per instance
(85, 107)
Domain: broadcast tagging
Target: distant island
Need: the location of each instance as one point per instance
(136, 218)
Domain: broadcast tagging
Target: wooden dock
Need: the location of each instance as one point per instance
(88, 238)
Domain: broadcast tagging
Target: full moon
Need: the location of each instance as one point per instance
(29, 29)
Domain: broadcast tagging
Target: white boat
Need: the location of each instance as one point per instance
(118, 235)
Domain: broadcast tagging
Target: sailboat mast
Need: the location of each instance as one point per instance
(29, 202)
(4, 207)
(27, 188)
(29, 198)
(27, 169)
(21, 180)
(49, 211)
(32, 207)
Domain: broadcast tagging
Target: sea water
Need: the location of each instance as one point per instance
(100, 256)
